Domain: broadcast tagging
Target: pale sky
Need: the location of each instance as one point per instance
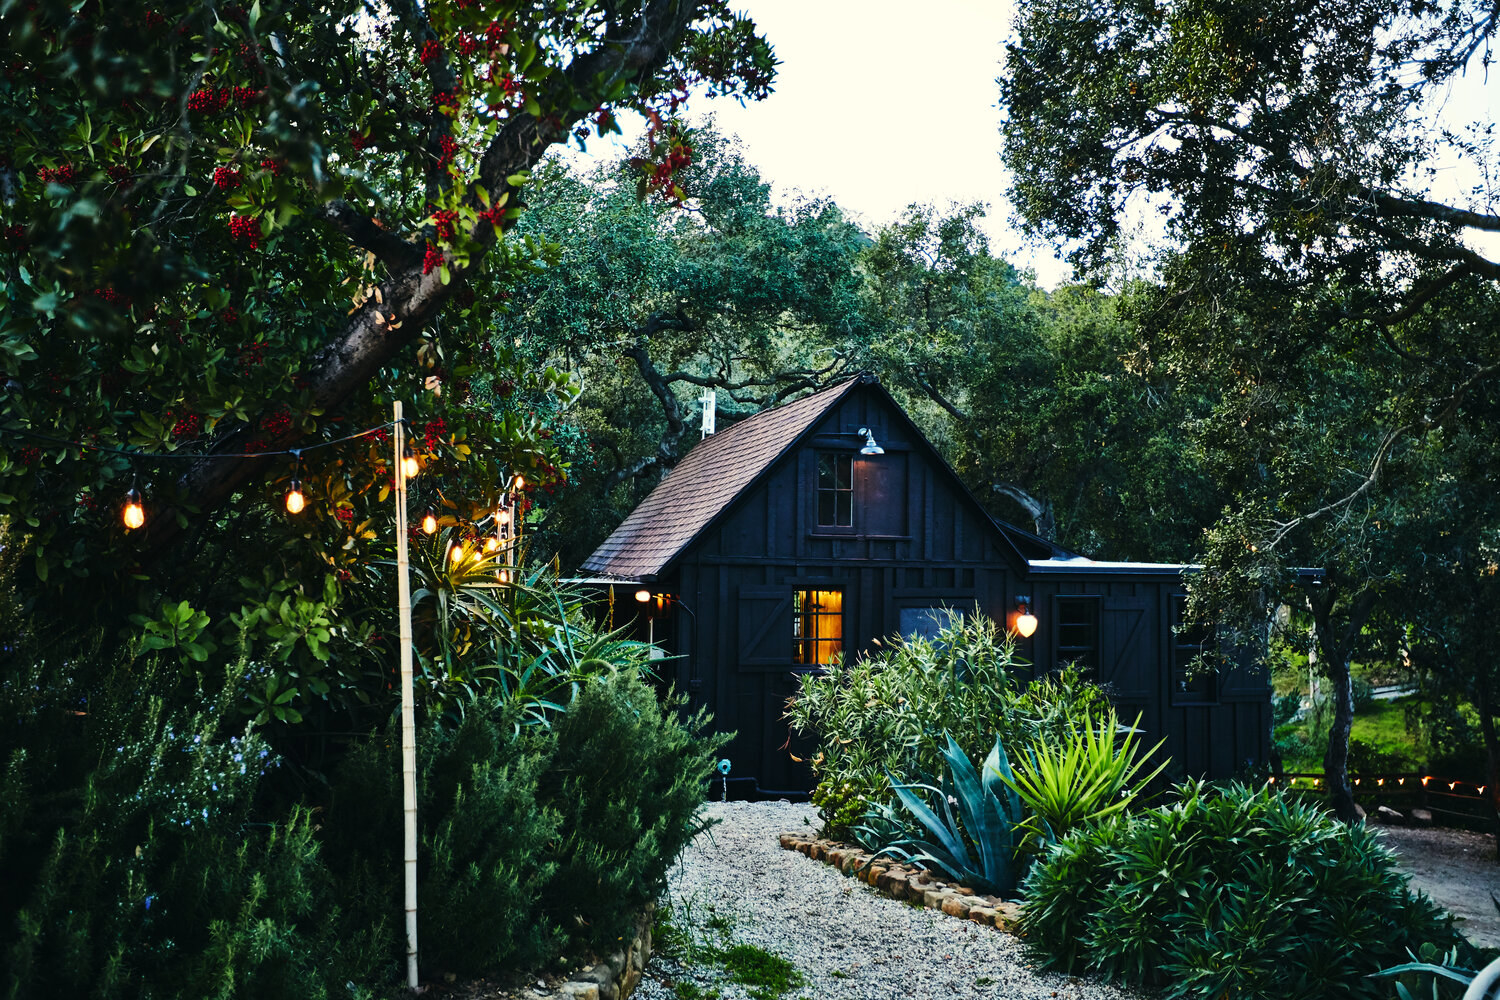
(880, 104)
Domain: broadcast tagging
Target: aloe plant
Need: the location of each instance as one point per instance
(988, 808)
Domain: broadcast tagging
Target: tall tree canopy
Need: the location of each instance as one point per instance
(1332, 304)
(235, 229)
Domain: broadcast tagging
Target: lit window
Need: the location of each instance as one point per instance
(817, 626)
(835, 489)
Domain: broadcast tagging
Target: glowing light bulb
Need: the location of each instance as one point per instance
(134, 515)
(457, 553)
(503, 576)
(503, 517)
(295, 501)
(409, 467)
(491, 544)
(1026, 624)
(429, 523)
(520, 482)
(643, 595)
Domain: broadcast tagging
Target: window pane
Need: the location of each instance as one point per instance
(844, 465)
(826, 512)
(845, 508)
(826, 477)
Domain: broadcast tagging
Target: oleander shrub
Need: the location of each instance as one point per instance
(887, 713)
(1229, 892)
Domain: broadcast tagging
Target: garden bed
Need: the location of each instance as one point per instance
(918, 886)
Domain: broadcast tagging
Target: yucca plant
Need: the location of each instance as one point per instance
(1088, 775)
(990, 812)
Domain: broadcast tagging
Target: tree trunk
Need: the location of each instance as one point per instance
(1336, 757)
(1492, 756)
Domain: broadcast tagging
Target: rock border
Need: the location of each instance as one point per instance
(615, 977)
(918, 886)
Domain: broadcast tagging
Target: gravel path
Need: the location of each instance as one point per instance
(1457, 869)
(849, 941)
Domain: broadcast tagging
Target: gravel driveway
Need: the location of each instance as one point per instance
(847, 940)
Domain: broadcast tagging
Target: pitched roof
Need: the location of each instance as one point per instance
(703, 484)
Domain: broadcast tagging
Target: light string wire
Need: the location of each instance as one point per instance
(191, 456)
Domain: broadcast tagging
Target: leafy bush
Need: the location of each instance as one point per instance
(134, 860)
(534, 841)
(1229, 892)
(886, 713)
(626, 779)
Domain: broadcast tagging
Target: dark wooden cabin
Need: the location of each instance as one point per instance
(815, 527)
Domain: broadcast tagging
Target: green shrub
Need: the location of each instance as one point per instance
(626, 779)
(1229, 892)
(134, 860)
(886, 712)
(534, 841)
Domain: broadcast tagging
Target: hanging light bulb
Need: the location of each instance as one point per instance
(520, 481)
(457, 553)
(429, 523)
(503, 517)
(295, 501)
(1025, 621)
(409, 466)
(134, 515)
(491, 544)
(503, 576)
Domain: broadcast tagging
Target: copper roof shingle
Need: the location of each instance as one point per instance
(703, 485)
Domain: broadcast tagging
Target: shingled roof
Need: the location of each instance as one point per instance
(703, 484)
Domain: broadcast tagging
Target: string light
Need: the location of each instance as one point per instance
(133, 514)
(457, 553)
(295, 501)
(429, 522)
(520, 482)
(491, 544)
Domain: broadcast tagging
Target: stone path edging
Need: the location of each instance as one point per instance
(916, 885)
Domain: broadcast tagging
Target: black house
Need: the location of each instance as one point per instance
(815, 527)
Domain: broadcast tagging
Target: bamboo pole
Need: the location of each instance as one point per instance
(408, 705)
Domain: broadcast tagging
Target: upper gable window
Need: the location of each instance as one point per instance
(835, 489)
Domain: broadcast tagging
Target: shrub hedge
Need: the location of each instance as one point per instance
(1229, 892)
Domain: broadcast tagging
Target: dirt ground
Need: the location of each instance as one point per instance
(1458, 870)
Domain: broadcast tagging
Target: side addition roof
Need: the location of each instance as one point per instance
(708, 479)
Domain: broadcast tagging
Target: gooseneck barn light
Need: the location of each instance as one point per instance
(1025, 621)
(870, 448)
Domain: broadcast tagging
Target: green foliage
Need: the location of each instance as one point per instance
(885, 713)
(990, 810)
(1091, 773)
(534, 841)
(1445, 973)
(626, 779)
(1229, 892)
(708, 949)
(135, 859)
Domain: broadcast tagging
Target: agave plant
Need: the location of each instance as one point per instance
(989, 811)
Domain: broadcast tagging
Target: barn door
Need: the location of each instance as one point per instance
(1126, 661)
(765, 627)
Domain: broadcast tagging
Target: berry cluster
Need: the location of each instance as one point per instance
(26, 456)
(466, 43)
(344, 514)
(16, 236)
(226, 178)
(252, 354)
(433, 432)
(277, 423)
(186, 425)
(430, 50)
(431, 259)
(445, 101)
(119, 173)
(273, 166)
(246, 230)
(450, 149)
(229, 315)
(113, 297)
(359, 141)
(444, 221)
(210, 100)
(65, 174)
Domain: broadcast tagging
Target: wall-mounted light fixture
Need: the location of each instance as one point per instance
(870, 448)
(643, 595)
(1025, 621)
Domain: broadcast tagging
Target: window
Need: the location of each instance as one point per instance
(817, 626)
(835, 489)
(1193, 683)
(1078, 634)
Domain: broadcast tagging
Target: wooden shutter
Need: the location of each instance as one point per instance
(765, 627)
